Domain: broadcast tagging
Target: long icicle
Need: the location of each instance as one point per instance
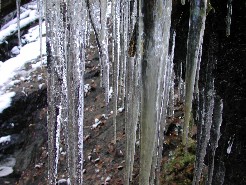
(215, 135)
(194, 42)
(116, 58)
(157, 30)
(105, 56)
(40, 21)
(51, 118)
(228, 18)
(18, 20)
(205, 119)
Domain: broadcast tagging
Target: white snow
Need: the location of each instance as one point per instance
(27, 54)
(36, 65)
(15, 50)
(87, 88)
(5, 170)
(6, 166)
(22, 16)
(33, 34)
(10, 68)
(97, 122)
(108, 179)
(121, 109)
(41, 85)
(33, 15)
(5, 100)
(5, 139)
(110, 94)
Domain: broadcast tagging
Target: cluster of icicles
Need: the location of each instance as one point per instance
(143, 79)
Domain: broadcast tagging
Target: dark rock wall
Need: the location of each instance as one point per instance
(229, 73)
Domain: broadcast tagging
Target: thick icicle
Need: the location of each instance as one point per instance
(157, 30)
(105, 54)
(125, 41)
(65, 60)
(116, 58)
(51, 119)
(166, 86)
(195, 38)
(131, 84)
(129, 120)
(228, 18)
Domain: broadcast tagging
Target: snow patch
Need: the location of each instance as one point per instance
(5, 170)
(15, 50)
(110, 93)
(14, 66)
(97, 122)
(87, 88)
(121, 109)
(5, 139)
(5, 101)
(12, 28)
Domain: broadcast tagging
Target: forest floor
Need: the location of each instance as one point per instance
(104, 161)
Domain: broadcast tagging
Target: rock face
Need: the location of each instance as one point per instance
(25, 122)
(6, 6)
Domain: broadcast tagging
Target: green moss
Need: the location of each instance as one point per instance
(178, 169)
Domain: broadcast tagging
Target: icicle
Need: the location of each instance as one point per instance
(115, 58)
(105, 56)
(65, 60)
(125, 38)
(194, 42)
(180, 86)
(206, 110)
(129, 120)
(40, 10)
(171, 96)
(228, 18)
(214, 136)
(51, 119)
(153, 67)
(196, 91)
(95, 21)
(18, 20)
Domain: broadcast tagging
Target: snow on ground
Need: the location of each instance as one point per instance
(5, 139)
(15, 67)
(12, 28)
(29, 53)
(5, 170)
(5, 101)
(6, 166)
